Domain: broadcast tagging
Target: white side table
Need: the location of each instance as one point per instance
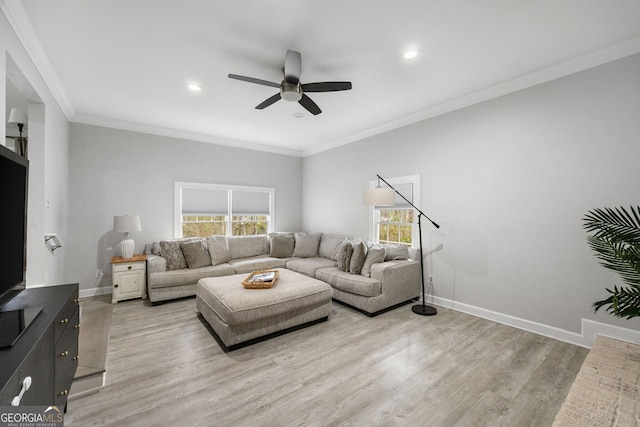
(129, 278)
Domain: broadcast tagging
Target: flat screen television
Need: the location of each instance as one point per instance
(14, 178)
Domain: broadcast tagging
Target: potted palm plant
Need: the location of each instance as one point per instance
(614, 234)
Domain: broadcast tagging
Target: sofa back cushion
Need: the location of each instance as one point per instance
(248, 246)
(329, 244)
(171, 251)
(218, 249)
(195, 253)
(281, 245)
(343, 254)
(307, 245)
(375, 254)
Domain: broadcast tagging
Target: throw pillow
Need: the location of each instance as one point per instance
(282, 245)
(375, 254)
(343, 254)
(195, 253)
(218, 249)
(396, 252)
(306, 245)
(171, 251)
(358, 257)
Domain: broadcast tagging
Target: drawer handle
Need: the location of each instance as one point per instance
(129, 268)
(76, 358)
(115, 286)
(64, 321)
(64, 353)
(77, 301)
(26, 384)
(77, 326)
(63, 393)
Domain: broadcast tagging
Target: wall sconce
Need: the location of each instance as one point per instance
(52, 241)
(19, 117)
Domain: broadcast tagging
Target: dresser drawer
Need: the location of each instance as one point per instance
(128, 266)
(64, 316)
(66, 359)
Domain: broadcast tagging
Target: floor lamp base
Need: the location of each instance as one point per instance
(424, 310)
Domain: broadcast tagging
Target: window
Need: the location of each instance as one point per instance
(210, 209)
(397, 224)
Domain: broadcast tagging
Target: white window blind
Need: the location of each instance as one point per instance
(196, 201)
(250, 202)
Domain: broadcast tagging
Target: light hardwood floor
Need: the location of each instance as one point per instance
(398, 369)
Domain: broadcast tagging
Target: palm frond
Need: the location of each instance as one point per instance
(614, 224)
(616, 241)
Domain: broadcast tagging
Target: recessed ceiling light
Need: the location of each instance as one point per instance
(410, 54)
(298, 115)
(196, 87)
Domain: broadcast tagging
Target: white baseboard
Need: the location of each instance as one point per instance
(85, 293)
(590, 328)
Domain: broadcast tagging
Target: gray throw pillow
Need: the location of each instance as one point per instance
(306, 245)
(195, 253)
(375, 254)
(218, 249)
(396, 252)
(282, 245)
(171, 251)
(343, 254)
(358, 257)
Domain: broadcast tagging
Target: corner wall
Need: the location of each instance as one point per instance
(48, 164)
(117, 172)
(508, 180)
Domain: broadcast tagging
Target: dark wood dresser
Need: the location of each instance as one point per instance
(47, 351)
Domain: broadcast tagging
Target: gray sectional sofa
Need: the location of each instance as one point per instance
(370, 278)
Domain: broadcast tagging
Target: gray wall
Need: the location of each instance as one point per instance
(116, 172)
(48, 134)
(508, 180)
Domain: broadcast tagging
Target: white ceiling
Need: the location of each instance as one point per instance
(126, 63)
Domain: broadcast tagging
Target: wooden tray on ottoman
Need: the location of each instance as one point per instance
(261, 279)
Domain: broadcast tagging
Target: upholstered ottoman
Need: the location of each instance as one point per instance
(237, 314)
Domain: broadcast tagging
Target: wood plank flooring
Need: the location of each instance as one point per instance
(164, 368)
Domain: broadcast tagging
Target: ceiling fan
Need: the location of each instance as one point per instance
(291, 89)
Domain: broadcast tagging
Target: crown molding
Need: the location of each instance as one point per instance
(179, 134)
(19, 21)
(562, 69)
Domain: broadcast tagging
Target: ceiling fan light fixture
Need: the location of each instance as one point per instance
(194, 87)
(292, 93)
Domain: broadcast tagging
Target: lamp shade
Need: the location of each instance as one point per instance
(379, 197)
(126, 223)
(17, 116)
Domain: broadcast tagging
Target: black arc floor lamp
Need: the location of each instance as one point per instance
(386, 197)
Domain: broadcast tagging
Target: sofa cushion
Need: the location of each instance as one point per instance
(329, 244)
(307, 245)
(260, 262)
(218, 249)
(396, 252)
(171, 251)
(375, 254)
(195, 253)
(309, 266)
(281, 245)
(248, 246)
(343, 255)
(347, 282)
(187, 276)
(357, 258)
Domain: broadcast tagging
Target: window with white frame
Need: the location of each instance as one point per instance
(203, 210)
(397, 224)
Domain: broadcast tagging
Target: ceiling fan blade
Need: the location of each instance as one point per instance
(311, 106)
(253, 80)
(325, 86)
(292, 67)
(268, 101)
